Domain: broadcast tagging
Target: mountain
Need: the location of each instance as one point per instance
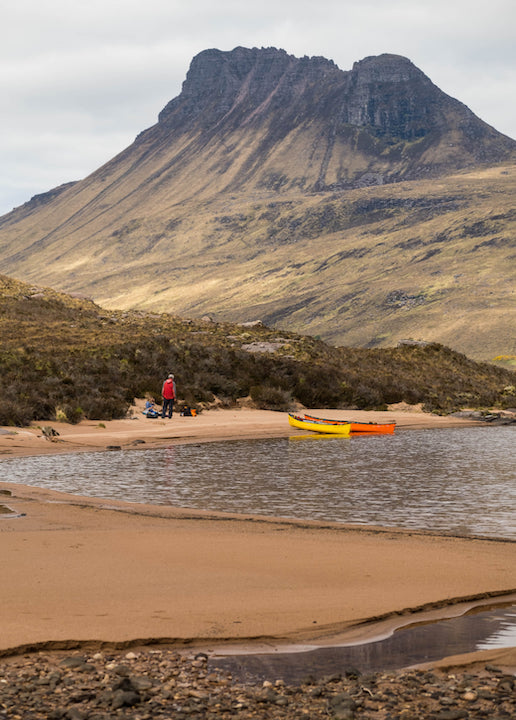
(363, 206)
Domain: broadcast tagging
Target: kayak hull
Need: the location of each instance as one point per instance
(357, 427)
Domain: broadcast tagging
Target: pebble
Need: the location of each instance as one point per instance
(164, 684)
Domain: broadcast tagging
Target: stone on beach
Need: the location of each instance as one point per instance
(160, 684)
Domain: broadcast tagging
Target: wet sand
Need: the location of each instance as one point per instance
(87, 570)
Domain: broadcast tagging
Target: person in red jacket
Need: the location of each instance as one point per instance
(168, 393)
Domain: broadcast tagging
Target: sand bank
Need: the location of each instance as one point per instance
(83, 569)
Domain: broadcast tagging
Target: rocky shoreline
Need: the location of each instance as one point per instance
(165, 684)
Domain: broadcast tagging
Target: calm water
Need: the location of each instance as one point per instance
(477, 630)
(460, 480)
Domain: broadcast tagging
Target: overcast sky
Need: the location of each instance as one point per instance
(79, 80)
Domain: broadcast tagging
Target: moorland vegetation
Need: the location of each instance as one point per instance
(64, 357)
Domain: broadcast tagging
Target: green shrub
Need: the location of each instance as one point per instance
(73, 413)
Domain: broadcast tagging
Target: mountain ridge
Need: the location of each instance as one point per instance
(383, 100)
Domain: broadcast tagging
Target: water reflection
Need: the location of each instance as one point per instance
(409, 646)
(503, 631)
(460, 480)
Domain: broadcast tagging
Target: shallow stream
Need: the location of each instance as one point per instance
(482, 629)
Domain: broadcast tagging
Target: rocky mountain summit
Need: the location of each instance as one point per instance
(384, 111)
(365, 206)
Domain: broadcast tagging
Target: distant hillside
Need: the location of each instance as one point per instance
(363, 206)
(66, 358)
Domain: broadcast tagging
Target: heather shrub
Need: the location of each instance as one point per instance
(60, 357)
(268, 397)
(368, 397)
(321, 387)
(15, 413)
(73, 413)
(194, 394)
(101, 407)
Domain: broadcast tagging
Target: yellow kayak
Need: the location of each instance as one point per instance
(302, 423)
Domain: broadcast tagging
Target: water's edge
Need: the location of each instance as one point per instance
(414, 644)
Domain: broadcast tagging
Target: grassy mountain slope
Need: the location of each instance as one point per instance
(62, 356)
(432, 260)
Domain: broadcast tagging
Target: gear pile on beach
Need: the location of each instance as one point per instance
(156, 684)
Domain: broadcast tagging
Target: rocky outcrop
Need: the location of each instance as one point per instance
(244, 85)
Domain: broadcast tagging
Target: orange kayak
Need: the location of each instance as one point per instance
(356, 427)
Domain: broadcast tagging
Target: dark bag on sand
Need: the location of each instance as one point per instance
(152, 414)
(186, 411)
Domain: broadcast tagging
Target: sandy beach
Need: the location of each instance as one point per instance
(83, 570)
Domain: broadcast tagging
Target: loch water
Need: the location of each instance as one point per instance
(460, 481)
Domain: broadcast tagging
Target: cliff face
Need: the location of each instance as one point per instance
(244, 85)
(392, 98)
